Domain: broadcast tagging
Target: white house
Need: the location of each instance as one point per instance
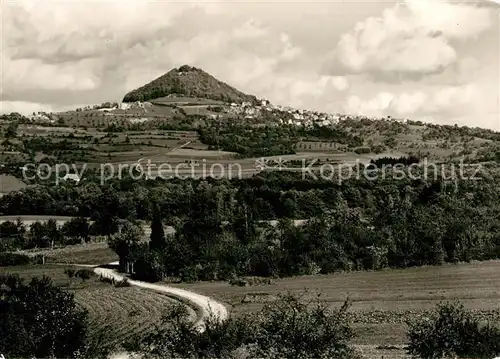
(124, 106)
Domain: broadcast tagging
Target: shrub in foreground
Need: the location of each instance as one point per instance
(84, 274)
(39, 319)
(286, 328)
(70, 272)
(452, 331)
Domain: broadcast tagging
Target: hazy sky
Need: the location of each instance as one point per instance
(423, 59)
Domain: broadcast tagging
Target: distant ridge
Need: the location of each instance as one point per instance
(191, 82)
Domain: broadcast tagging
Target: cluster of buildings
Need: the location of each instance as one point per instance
(299, 117)
(40, 117)
(131, 105)
(286, 115)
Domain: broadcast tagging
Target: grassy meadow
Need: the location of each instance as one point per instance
(381, 301)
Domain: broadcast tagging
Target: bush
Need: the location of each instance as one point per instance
(238, 282)
(294, 328)
(13, 259)
(452, 331)
(39, 320)
(377, 149)
(84, 274)
(285, 328)
(189, 274)
(362, 150)
(258, 298)
(70, 272)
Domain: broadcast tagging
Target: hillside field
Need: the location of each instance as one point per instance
(381, 300)
(120, 312)
(10, 183)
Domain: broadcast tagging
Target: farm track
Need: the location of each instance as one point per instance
(203, 305)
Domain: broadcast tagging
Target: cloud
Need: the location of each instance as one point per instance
(339, 82)
(436, 101)
(452, 20)
(409, 59)
(34, 74)
(30, 107)
(424, 59)
(72, 34)
(318, 86)
(414, 37)
(69, 51)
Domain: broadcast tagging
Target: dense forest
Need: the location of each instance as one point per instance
(220, 233)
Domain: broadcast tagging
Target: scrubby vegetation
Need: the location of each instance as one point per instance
(402, 161)
(452, 331)
(249, 142)
(358, 225)
(39, 319)
(13, 259)
(286, 328)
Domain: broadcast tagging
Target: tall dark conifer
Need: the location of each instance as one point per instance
(157, 238)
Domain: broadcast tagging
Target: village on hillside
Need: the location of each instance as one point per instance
(246, 110)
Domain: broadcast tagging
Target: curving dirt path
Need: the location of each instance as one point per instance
(204, 306)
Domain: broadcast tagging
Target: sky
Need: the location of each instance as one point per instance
(430, 60)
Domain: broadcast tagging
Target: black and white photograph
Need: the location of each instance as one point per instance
(250, 179)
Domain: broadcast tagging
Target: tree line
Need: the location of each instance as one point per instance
(16, 235)
(341, 239)
(220, 233)
(222, 230)
(401, 161)
(270, 195)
